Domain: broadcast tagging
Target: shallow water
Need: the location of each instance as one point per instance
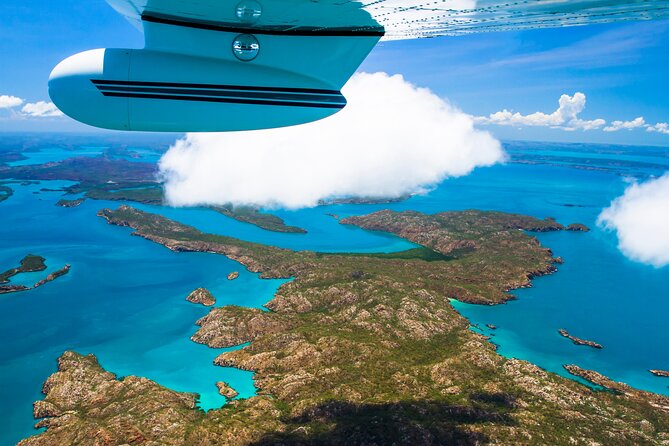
(124, 299)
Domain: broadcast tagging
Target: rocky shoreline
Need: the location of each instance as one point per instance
(579, 341)
(6, 289)
(358, 349)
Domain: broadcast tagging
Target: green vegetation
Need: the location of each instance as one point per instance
(360, 349)
(249, 214)
(420, 253)
(147, 195)
(30, 263)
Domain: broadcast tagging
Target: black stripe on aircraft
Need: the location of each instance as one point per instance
(131, 89)
(222, 93)
(277, 31)
(222, 100)
(100, 82)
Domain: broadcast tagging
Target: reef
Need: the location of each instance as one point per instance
(5, 192)
(201, 296)
(579, 341)
(361, 349)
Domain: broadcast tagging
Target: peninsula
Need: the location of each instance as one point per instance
(29, 264)
(358, 349)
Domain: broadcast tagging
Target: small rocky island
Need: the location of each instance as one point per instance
(201, 296)
(579, 341)
(54, 275)
(578, 227)
(661, 373)
(233, 275)
(359, 349)
(70, 203)
(225, 390)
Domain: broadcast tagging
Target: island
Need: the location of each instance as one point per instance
(358, 349)
(578, 227)
(54, 275)
(364, 200)
(201, 296)
(30, 263)
(233, 275)
(253, 215)
(225, 390)
(579, 341)
(660, 373)
(70, 203)
(113, 179)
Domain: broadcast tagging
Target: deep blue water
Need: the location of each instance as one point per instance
(124, 299)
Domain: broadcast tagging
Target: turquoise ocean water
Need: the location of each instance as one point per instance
(124, 299)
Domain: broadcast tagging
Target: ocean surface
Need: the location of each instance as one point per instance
(124, 299)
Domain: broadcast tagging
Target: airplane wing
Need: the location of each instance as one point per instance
(399, 19)
(226, 65)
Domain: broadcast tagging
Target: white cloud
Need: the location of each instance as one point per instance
(626, 125)
(10, 101)
(660, 127)
(41, 109)
(565, 117)
(392, 138)
(640, 218)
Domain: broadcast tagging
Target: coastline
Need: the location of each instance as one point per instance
(296, 354)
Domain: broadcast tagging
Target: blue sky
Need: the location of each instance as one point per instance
(622, 69)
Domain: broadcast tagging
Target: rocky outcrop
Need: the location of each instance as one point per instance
(225, 390)
(230, 326)
(70, 203)
(53, 276)
(579, 341)
(201, 296)
(7, 289)
(87, 406)
(578, 227)
(653, 400)
(661, 373)
(233, 275)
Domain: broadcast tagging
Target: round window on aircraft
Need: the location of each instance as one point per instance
(248, 11)
(245, 47)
